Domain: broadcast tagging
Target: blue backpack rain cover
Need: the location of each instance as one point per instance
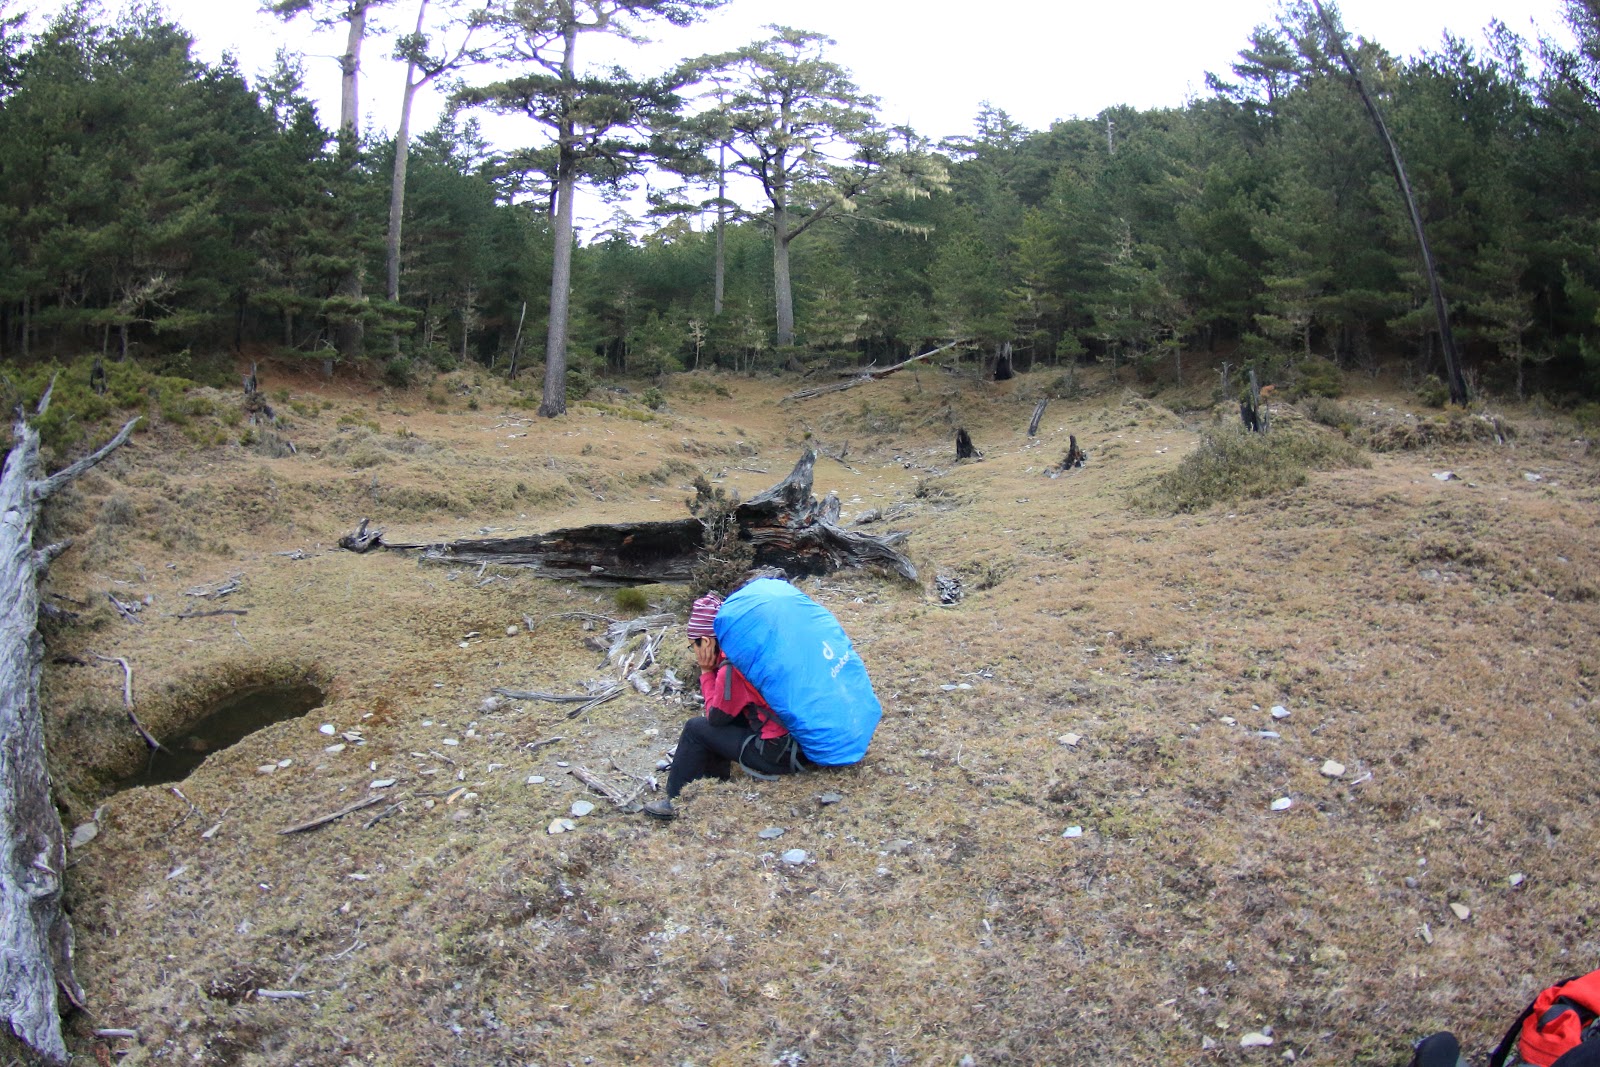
(796, 654)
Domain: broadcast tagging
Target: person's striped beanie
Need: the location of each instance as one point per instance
(703, 615)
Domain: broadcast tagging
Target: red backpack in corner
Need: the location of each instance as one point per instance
(1560, 1019)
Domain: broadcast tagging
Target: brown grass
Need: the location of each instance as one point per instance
(1437, 638)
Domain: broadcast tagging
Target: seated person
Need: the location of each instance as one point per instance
(738, 726)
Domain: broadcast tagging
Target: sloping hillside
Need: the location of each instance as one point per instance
(1111, 668)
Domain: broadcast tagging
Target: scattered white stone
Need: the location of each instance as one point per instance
(328, 728)
(964, 685)
(1446, 476)
(1530, 476)
(1269, 734)
(381, 783)
(794, 857)
(771, 833)
(83, 834)
(663, 764)
(1462, 911)
(1255, 1039)
(335, 749)
(561, 826)
(429, 722)
(562, 763)
(948, 688)
(536, 779)
(450, 741)
(176, 872)
(511, 631)
(266, 768)
(1207, 1044)
(1072, 831)
(1279, 711)
(1332, 768)
(1426, 933)
(1282, 804)
(1516, 880)
(580, 808)
(1228, 720)
(829, 798)
(1070, 740)
(285, 762)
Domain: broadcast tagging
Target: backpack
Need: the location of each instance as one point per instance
(797, 656)
(1561, 1025)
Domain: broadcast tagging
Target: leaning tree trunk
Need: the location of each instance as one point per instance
(35, 935)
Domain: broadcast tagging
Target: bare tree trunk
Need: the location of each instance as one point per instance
(350, 66)
(1447, 341)
(397, 187)
(780, 275)
(35, 934)
(720, 269)
(555, 345)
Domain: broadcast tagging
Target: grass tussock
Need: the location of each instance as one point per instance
(1232, 464)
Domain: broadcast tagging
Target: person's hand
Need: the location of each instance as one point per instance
(705, 653)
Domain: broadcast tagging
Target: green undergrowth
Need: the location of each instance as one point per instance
(1232, 464)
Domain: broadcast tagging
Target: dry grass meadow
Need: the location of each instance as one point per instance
(1439, 639)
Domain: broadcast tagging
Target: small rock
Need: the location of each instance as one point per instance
(1207, 1044)
(561, 826)
(83, 834)
(771, 833)
(1530, 476)
(335, 749)
(1516, 880)
(328, 728)
(1255, 1039)
(536, 779)
(663, 764)
(1072, 831)
(1332, 769)
(511, 631)
(1462, 911)
(948, 688)
(1279, 711)
(898, 846)
(1070, 740)
(285, 762)
(829, 798)
(562, 763)
(1282, 804)
(1446, 476)
(580, 808)
(794, 857)
(1410, 882)
(1228, 720)
(266, 768)
(381, 783)
(1426, 933)
(491, 704)
(1268, 734)
(450, 741)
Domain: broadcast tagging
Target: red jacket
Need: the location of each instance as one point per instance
(727, 691)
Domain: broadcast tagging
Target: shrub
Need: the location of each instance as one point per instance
(631, 599)
(1234, 464)
(399, 371)
(724, 557)
(1432, 392)
(1316, 377)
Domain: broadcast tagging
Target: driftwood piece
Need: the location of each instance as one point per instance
(35, 933)
(323, 820)
(863, 375)
(1038, 413)
(605, 788)
(361, 540)
(790, 529)
(127, 700)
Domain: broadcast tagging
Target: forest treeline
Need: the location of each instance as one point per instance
(158, 206)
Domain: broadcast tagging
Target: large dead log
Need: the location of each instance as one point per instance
(789, 528)
(35, 934)
(863, 375)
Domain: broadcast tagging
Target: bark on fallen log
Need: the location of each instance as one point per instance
(35, 934)
(863, 375)
(790, 529)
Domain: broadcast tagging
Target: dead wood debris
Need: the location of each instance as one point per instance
(127, 700)
(323, 820)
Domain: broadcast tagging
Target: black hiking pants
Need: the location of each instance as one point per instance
(708, 751)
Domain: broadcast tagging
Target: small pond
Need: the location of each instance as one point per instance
(233, 719)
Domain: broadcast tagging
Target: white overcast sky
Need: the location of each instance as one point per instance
(931, 62)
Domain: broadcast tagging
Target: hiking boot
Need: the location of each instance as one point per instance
(660, 809)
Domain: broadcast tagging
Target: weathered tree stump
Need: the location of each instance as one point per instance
(787, 526)
(1075, 455)
(361, 539)
(35, 934)
(965, 449)
(1038, 413)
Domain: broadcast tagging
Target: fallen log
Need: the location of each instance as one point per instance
(35, 933)
(790, 529)
(863, 375)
